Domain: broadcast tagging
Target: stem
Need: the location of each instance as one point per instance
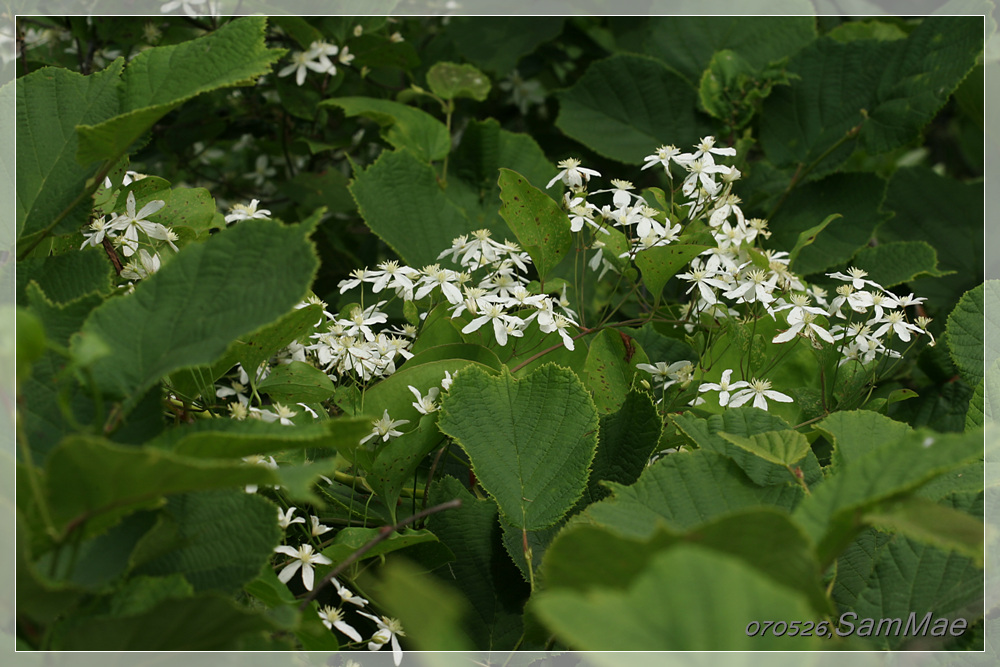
(34, 482)
(449, 110)
(383, 534)
(546, 351)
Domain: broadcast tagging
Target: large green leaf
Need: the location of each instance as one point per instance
(499, 43)
(856, 196)
(687, 43)
(450, 80)
(160, 79)
(682, 491)
(626, 106)
(745, 422)
(831, 514)
(660, 264)
(220, 539)
(967, 335)
(201, 623)
(627, 439)
(351, 539)
(403, 126)
(51, 102)
(400, 199)
(482, 570)
(766, 539)
(65, 278)
(891, 264)
(921, 199)
(886, 90)
(397, 461)
(688, 598)
(784, 448)
(539, 223)
(485, 148)
(228, 438)
(913, 578)
(297, 382)
(188, 313)
(530, 441)
(856, 433)
(86, 476)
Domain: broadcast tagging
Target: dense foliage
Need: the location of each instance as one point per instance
(492, 334)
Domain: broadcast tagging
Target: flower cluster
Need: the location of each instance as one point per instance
(304, 559)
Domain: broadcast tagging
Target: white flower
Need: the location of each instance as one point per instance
(302, 61)
(388, 630)
(425, 404)
(856, 278)
(759, 391)
(145, 267)
(662, 156)
(807, 322)
(895, 322)
(317, 528)
(679, 371)
(724, 386)
(258, 460)
(285, 518)
(385, 428)
(261, 171)
(131, 222)
(240, 212)
(98, 230)
(348, 596)
(304, 559)
(281, 414)
(572, 174)
(446, 382)
(333, 617)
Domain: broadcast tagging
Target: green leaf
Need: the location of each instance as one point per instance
(627, 438)
(188, 312)
(87, 476)
(714, 432)
(223, 539)
(140, 594)
(626, 106)
(201, 623)
(931, 523)
(830, 514)
(394, 394)
(159, 80)
(398, 460)
(398, 181)
(884, 91)
(660, 264)
(913, 578)
(856, 433)
(498, 44)
(784, 448)
(228, 438)
(51, 102)
(921, 199)
(450, 81)
(808, 236)
(65, 278)
(482, 571)
(610, 369)
(765, 539)
(856, 197)
(891, 264)
(684, 600)
(530, 441)
(404, 127)
(966, 335)
(297, 382)
(539, 223)
(683, 491)
(688, 43)
(486, 147)
(731, 88)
